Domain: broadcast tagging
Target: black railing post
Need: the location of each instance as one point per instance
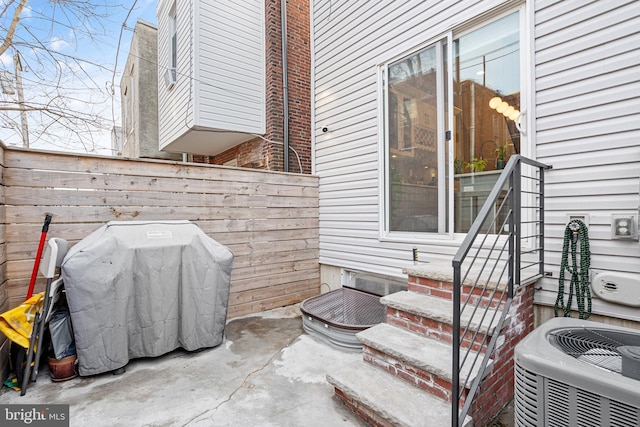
(455, 366)
(516, 234)
(541, 219)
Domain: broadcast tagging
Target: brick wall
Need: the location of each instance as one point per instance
(261, 154)
(299, 83)
(497, 389)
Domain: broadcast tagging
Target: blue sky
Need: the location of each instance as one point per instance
(86, 54)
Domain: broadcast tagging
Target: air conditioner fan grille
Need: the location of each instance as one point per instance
(598, 347)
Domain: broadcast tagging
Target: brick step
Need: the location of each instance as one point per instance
(422, 362)
(484, 287)
(433, 317)
(384, 400)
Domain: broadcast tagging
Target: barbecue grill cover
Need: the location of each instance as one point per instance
(142, 289)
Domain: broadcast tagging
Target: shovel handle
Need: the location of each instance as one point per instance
(47, 221)
(43, 236)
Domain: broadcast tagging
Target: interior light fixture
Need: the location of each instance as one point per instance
(509, 111)
(504, 108)
(494, 102)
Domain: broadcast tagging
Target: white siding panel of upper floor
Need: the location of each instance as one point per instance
(351, 39)
(174, 115)
(588, 124)
(230, 62)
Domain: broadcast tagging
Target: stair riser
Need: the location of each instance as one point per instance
(365, 413)
(482, 297)
(431, 328)
(417, 377)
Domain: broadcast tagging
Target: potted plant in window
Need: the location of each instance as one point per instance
(501, 156)
(457, 166)
(477, 165)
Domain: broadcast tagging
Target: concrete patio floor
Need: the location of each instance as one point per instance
(266, 373)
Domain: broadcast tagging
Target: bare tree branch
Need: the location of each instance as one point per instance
(8, 39)
(64, 99)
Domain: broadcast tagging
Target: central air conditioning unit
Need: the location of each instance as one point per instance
(571, 372)
(170, 77)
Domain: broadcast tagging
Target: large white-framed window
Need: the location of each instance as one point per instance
(452, 116)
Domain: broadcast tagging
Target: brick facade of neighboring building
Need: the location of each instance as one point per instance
(268, 154)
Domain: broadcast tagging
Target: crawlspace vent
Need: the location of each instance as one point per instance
(598, 347)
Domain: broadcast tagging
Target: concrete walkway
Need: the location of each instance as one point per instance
(266, 373)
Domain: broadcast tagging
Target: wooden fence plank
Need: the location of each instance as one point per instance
(268, 304)
(53, 161)
(286, 274)
(267, 292)
(78, 231)
(111, 197)
(71, 214)
(170, 184)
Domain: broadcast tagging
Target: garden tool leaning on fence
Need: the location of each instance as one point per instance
(25, 324)
(36, 264)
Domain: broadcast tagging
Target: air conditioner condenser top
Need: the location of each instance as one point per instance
(582, 354)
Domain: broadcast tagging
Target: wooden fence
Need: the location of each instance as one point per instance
(269, 220)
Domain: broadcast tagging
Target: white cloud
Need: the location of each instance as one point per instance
(6, 59)
(27, 12)
(58, 44)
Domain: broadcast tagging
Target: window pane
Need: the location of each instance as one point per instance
(486, 106)
(412, 143)
(174, 50)
(173, 38)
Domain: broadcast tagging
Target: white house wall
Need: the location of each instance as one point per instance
(588, 127)
(230, 56)
(351, 39)
(220, 74)
(585, 123)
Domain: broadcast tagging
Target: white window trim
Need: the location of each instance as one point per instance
(383, 137)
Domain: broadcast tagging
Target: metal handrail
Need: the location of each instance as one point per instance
(492, 265)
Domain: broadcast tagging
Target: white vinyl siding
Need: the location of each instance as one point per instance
(221, 75)
(230, 61)
(588, 128)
